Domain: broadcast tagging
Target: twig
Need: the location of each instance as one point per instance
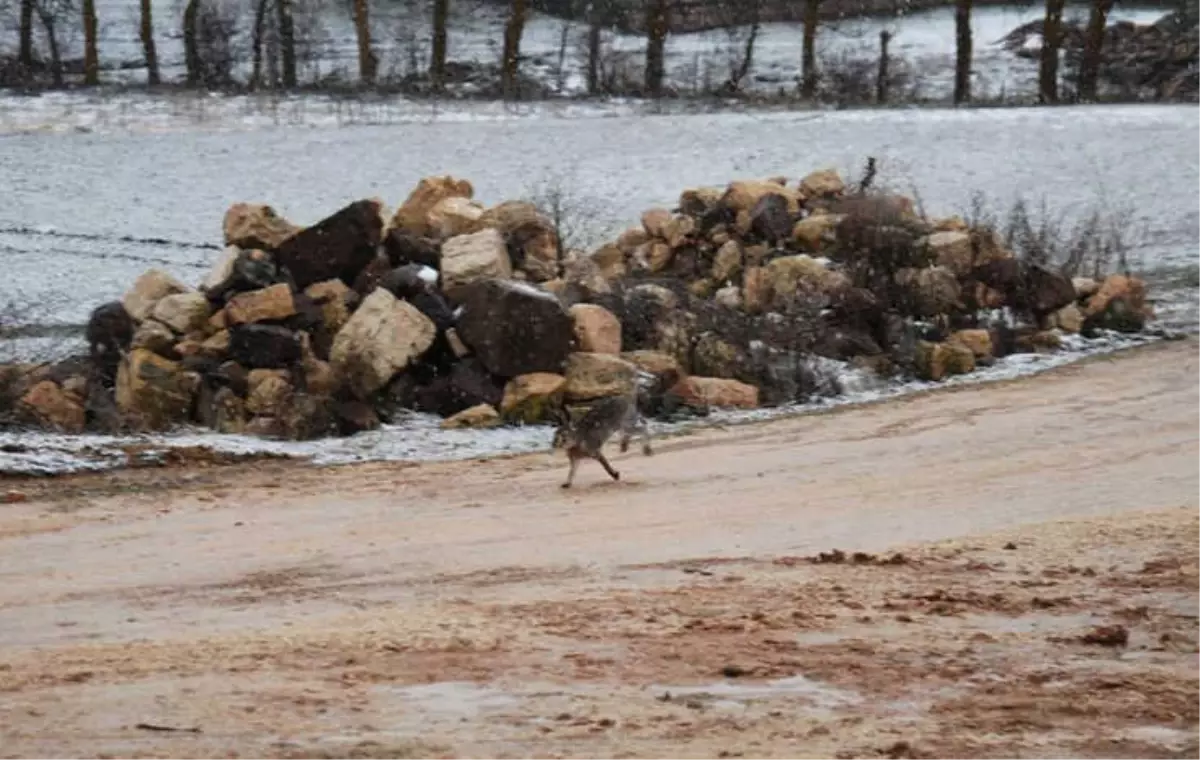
(179, 729)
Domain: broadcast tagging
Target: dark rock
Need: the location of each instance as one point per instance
(405, 248)
(232, 375)
(406, 282)
(109, 333)
(355, 417)
(306, 417)
(371, 276)
(264, 346)
(252, 270)
(515, 329)
(339, 246)
(770, 220)
(468, 384)
(1046, 291)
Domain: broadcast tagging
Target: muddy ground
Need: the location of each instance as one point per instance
(1008, 570)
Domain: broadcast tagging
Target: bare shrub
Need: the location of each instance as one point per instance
(579, 220)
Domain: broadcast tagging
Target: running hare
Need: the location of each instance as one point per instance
(585, 437)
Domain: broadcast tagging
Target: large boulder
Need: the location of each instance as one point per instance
(515, 328)
(704, 392)
(789, 276)
(813, 233)
(700, 201)
(727, 262)
(597, 329)
(265, 305)
(744, 195)
(268, 392)
(147, 290)
(978, 340)
(109, 329)
(413, 215)
(936, 361)
(1046, 291)
(532, 398)
(156, 337)
(182, 312)
(533, 245)
(334, 299)
(47, 404)
(823, 183)
(952, 250)
(770, 219)
(592, 376)
(467, 259)
(1119, 303)
(713, 356)
(339, 246)
(454, 216)
(406, 248)
(264, 346)
(380, 339)
(154, 393)
(247, 270)
(468, 384)
(256, 225)
(929, 291)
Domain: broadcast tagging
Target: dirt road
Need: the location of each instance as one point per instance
(1025, 585)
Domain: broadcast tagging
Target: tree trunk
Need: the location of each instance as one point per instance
(657, 26)
(191, 46)
(256, 43)
(56, 67)
(808, 64)
(25, 53)
(593, 57)
(362, 28)
(1052, 34)
(881, 79)
(148, 49)
(511, 57)
(91, 60)
(287, 43)
(437, 61)
(1093, 46)
(962, 63)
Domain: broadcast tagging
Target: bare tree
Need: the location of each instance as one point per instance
(1052, 36)
(91, 59)
(881, 79)
(741, 52)
(256, 42)
(437, 58)
(657, 28)
(593, 49)
(25, 52)
(48, 12)
(962, 63)
(191, 45)
(287, 42)
(1093, 46)
(511, 60)
(808, 66)
(148, 49)
(367, 62)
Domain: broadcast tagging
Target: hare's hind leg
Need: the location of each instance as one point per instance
(607, 467)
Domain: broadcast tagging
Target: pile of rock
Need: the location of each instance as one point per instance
(477, 314)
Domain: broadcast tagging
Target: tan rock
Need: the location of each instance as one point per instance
(1038, 341)
(52, 407)
(331, 296)
(539, 246)
(756, 290)
(413, 214)
(631, 239)
(610, 261)
(655, 222)
(704, 392)
(702, 288)
(1129, 289)
(469, 258)
(275, 302)
(744, 194)
(936, 361)
(382, 337)
(222, 269)
(148, 289)
(699, 201)
(1085, 287)
(952, 250)
(152, 392)
(657, 363)
(597, 330)
(478, 416)
(824, 183)
(727, 262)
(979, 341)
(455, 216)
(590, 376)
(729, 296)
(510, 215)
(714, 357)
(951, 224)
(182, 312)
(934, 290)
(789, 276)
(814, 232)
(268, 392)
(154, 336)
(532, 398)
(679, 230)
(255, 225)
(654, 256)
(228, 412)
(1069, 318)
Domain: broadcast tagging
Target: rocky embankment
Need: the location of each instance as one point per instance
(477, 314)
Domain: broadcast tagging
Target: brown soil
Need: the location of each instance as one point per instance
(1008, 570)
